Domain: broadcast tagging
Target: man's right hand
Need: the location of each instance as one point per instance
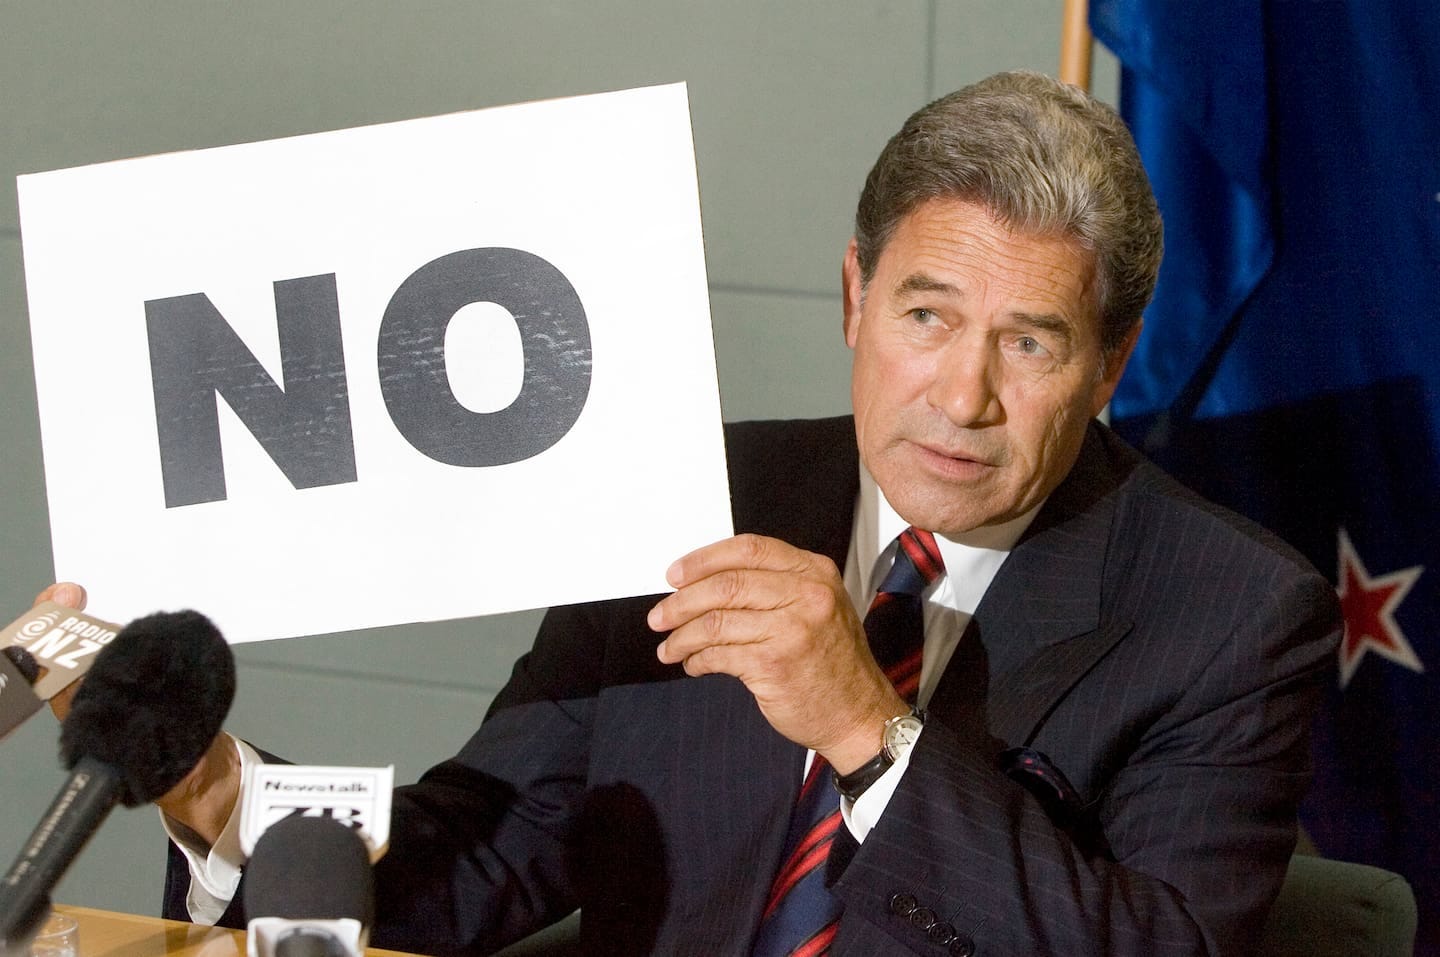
(70, 595)
(204, 798)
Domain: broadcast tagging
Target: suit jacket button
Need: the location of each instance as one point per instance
(923, 918)
(902, 904)
(942, 933)
(962, 946)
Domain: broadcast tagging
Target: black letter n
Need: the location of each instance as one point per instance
(304, 426)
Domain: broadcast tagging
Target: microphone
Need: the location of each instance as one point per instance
(18, 673)
(309, 890)
(42, 652)
(150, 705)
(25, 664)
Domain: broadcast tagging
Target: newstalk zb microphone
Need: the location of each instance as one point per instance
(309, 890)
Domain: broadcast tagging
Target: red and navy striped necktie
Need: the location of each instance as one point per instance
(801, 915)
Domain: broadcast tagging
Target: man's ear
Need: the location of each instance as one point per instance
(852, 292)
(1114, 368)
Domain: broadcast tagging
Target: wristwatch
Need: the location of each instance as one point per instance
(896, 739)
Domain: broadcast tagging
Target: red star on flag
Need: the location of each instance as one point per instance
(1368, 605)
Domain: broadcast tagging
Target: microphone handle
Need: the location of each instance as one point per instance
(18, 700)
(75, 814)
(18, 943)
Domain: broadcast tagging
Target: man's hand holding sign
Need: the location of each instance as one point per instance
(779, 619)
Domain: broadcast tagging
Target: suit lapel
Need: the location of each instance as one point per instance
(1024, 696)
(1038, 629)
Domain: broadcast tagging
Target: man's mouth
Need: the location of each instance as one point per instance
(959, 457)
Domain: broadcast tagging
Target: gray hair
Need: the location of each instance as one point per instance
(1043, 158)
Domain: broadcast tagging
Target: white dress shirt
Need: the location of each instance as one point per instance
(971, 561)
(214, 871)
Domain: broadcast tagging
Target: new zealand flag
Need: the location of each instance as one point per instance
(1290, 365)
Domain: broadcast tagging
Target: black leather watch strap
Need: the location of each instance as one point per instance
(896, 737)
(855, 783)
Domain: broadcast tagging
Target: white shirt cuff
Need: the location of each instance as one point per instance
(214, 871)
(862, 815)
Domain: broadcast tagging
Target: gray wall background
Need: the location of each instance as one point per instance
(790, 102)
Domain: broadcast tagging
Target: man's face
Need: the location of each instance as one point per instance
(977, 365)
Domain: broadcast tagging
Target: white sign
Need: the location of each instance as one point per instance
(417, 371)
(359, 798)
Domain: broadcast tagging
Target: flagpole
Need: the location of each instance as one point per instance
(1076, 44)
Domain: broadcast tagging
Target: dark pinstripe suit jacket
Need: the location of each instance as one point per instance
(1159, 653)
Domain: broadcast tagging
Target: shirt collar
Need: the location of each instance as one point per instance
(971, 559)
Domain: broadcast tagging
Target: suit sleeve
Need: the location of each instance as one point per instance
(477, 853)
(1179, 849)
(479, 846)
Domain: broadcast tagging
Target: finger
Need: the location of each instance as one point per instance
(718, 660)
(721, 628)
(67, 594)
(740, 551)
(752, 589)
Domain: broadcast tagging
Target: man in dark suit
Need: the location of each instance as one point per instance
(1110, 741)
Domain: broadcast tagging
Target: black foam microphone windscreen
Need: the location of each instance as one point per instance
(19, 671)
(309, 872)
(144, 715)
(24, 662)
(152, 702)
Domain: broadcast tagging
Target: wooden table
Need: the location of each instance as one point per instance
(106, 933)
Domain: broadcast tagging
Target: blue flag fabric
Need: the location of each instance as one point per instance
(1290, 364)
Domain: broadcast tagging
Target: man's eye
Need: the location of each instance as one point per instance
(1029, 346)
(922, 316)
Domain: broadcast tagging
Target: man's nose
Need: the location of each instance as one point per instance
(965, 385)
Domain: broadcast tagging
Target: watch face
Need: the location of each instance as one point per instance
(900, 734)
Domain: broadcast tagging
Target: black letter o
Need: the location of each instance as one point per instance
(554, 335)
